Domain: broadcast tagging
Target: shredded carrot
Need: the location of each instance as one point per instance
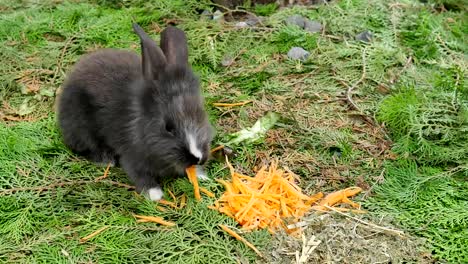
(213, 150)
(192, 175)
(231, 104)
(154, 219)
(172, 196)
(95, 233)
(243, 240)
(338, 196)
(272, 199)
(165, 202)
(160, 208)
(208, 193)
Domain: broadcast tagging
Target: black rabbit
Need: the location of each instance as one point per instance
(146, 114)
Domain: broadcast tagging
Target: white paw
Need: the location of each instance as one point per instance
(155, 193)
(201, 174)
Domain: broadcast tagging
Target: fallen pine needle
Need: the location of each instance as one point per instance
(155, 219)
(106, 173)
(208, 193)
(231, 104)
(192, 175)
(243, 240)
(95, 233)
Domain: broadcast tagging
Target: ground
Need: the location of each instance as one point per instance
(389, 115)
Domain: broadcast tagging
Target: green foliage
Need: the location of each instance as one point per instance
(266, 9)
(250, 83)
(431, 127)
(416, 34)
(292, 36)
(429, 202)
(46, 226)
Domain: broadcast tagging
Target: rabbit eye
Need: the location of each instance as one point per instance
(170, 128)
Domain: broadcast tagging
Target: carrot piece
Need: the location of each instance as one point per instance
(213, 150)
(172, 196)
(208, 193)
(95, 233)
(192, 175)
(338, 196)
(183, 202)
(155, 219)
(243, 240)
(212, 207)
(166, 202)
(231, 104)
(160, 208)
(284, 209)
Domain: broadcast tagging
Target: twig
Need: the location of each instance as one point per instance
(349, 96)
(389, 230)
(307, 248)
(60, 60)
(63, 184)
(106, 173)
(95, 233)
(396, 77)
(379, 179)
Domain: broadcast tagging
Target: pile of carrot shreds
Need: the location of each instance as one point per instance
(271, 199)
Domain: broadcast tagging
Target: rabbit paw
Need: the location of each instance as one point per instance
(155, 193)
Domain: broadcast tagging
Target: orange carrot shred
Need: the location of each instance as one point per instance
(172, 196)
(213, 150)
(192, 175)
(166, 202)
(208, 193)
(272, 199)
(160, 208)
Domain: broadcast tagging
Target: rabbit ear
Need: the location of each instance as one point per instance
(153, 59)
(174, 46)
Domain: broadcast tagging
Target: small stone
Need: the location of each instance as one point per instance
(297, 53)
(206, 14)
(253, 20)
(241, 24)
(296, 20)
(365, 36)
(218, 15)
(312, 26)
(227, 61)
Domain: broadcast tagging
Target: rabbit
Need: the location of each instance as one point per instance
(145, 115)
